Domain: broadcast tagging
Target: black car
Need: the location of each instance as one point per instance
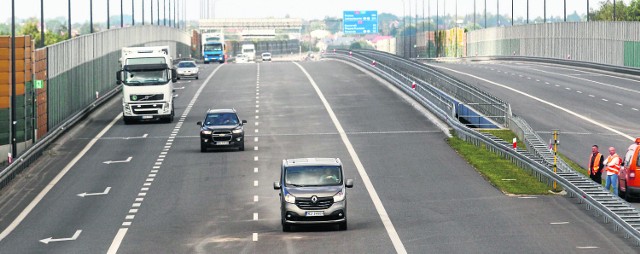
(221, 128)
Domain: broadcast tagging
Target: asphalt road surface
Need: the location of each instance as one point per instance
(160, 194)
(588, 106)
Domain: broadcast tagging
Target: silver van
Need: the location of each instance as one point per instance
(313, 191)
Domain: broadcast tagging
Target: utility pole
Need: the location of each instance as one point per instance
(69, 28)
(512, 13)
(528, 11)
(90, 16)
(133, 13)
(108, 19)
(42, 41)
(121, 13)
(565, 10)
(614, 10)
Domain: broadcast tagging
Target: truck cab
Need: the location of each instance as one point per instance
(249, 50)
(146, 77)
(629, 177)
(213, 52)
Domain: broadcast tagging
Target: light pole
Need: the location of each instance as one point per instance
(133, 13)
(485, 14)
(614, 10)
(42, 41)
(121, 13)
(164, 12)
(90, 16)
(69, 28)
(498, 13)
(158, 11)
(143, 11)
(527, 11)
(565, 10)
(545, 11)
(14, 147)
(474, 14)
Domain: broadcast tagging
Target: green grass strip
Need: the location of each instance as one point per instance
(496, 169)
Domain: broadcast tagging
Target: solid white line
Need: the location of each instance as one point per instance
(386, 221)
(115, 245)
(255, 237)
(587, 247)
(586, 119)
(55, 180)
(559, 223)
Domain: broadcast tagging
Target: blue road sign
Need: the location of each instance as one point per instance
(360, 22)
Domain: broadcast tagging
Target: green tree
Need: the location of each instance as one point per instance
(633, 10)
(605, 13)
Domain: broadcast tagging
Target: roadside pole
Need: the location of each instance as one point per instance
(555, 157)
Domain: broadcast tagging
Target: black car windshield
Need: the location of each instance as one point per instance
(146, 77)
(301, 176)
(221, 119)
(186, 65)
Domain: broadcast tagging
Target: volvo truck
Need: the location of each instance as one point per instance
(146, 76)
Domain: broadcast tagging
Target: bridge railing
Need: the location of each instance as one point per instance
(81, 76)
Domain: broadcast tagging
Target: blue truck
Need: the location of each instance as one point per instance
(213, 52)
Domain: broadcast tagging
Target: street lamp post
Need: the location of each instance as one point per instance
(14, 146)
(485, 14)
(121, 14)
(565, 10)
(527, 11)
(133, 13)
(143, 11)
(42, 41)
(90, 16)
(158, 11)
(498, 13)
(164, 12)
(614, 10)
(69, 28)
(545, 11)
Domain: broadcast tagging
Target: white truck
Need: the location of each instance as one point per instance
(249, 50)
(146, 76)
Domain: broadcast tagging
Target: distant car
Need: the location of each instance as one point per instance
(188, 69)
(242, 58)
(313, 191)
(221, 128)
(266, 57)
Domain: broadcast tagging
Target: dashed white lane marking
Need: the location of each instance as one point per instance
(55, 180)
(136, 204)
(139, 199)
(559, 223)
(255, 139)
(255, 148)
(149, 180)
(145, 135)
(557, 85)
(255, 216)
(144, 189)
(586, 247)
(257, 117)
(578, 91)
(255, 158)
(129, 217)
(584, 118)
(546, 83)
(146, 184)
(255, 237)
(256, 130)
(257, 106)
(537, 80)
(115, 245)
(255, 183)
(126, 223)
(257, 124)
(142, 194)
(156, 167)
(619, 104)
(603, 99)
(568, 88)
(635, 109)
(592, 96)
(255, 170)
(133, 210)
(527, 197)
(257, 111)
(384, 216)
(255, 198)
(154, 171)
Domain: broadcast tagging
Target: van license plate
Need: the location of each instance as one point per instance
(147, 117)
(313, 214)
(222, 143)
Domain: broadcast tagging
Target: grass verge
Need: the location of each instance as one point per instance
(496, 170)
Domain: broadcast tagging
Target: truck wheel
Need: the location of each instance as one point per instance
(127, 121)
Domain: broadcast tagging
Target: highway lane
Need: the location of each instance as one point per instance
(611, 102)
(223, 202)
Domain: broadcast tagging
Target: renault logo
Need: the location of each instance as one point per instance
(314, 199)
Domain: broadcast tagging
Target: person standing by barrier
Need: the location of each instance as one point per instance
(596, 165)
(613, 169)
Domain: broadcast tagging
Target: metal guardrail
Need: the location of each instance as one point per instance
(490, 106)
(613, 209)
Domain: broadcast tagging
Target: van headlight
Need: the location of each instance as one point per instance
(206, 132)
(339, 196)
(237, 131)
(290, 198)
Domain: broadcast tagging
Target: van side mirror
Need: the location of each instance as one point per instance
(199, 123)
(349, 183)
(244, 122)
(276, 185)
(119, 77)
(174, 76)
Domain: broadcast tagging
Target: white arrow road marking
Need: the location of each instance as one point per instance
(51, 239)
(105, 192)
(124, 161)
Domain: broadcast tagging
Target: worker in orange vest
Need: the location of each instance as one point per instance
(596, 165)
(613, 169)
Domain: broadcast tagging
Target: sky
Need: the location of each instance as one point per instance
(306, 9)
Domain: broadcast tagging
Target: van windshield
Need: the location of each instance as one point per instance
(306, 176)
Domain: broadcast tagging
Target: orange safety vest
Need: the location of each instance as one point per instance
(616, 166)
(593, 169)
